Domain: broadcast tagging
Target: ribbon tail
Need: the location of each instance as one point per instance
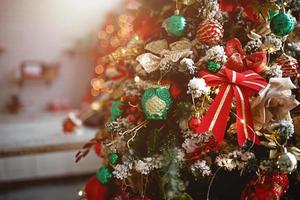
(215, 119)
(244, 122)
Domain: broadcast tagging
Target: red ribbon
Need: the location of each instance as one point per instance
(240, 85)
(233, 5)
(239, 61)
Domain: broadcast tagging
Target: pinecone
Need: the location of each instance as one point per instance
(253, 46)
(210, 32)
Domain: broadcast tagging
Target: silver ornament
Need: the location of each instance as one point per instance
(287, 161)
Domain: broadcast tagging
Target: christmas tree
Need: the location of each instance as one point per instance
(205, 103)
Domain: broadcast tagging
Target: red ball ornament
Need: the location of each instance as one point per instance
(210, 32)
(68, 126)
(95, 190)
(268, 186)
(175, 90)
(131, 118)
(194, 123)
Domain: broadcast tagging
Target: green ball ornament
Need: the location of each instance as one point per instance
(176, 25)
(282, 24)
(156, 103)
(115, 110)
(113, 158)
(212, 66)
(104, 175)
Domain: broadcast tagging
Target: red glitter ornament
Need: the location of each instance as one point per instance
(210, 32)
(94, 190)
(194, 123)
(270, 186)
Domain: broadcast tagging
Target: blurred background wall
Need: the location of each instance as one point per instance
(49, 31)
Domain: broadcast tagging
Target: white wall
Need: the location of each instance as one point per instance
(42, 30)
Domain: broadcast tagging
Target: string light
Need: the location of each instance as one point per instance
(99, 69)
(137, 79)
(80, 193)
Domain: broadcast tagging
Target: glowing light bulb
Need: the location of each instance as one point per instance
(137, 79)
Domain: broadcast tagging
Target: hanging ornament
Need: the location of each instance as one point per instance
(210, 32)
(289, 66)
(176, 25)
(286, 161)
(212, 66)
(113, 158)
(115, 109)
(282, 24)
(266, 186)
(94, 190)
(156, 103)
(194, 122)
(104, 175)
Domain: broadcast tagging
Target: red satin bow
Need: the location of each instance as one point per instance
(239, 61)
(240, 85)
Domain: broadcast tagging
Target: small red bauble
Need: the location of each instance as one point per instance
(68, 126)
(194, 123)
(95, 190)
(210, 32)
(131, 118)
(175, 90)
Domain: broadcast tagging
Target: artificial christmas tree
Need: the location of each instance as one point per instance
(206, 108)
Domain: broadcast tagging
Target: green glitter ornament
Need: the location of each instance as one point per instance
(113, 158)
(156, 103)
(115, 110)
(213, 66)
(282, 24)
(176, 25)
(104, 175)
